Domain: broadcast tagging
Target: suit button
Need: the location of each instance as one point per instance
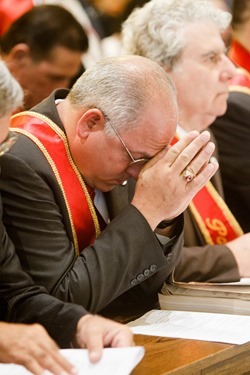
(140, 277)
(146, 272)
(170, 258)
(153, 268)
(134, 282)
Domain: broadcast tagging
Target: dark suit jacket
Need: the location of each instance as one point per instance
(126, 260)
(199, 261)
(24, 302)
(232, 132)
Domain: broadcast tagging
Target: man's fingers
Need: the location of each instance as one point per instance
(188, 148)
(203, 176)
(201, 159)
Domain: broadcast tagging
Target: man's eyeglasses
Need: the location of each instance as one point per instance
(8, 142)
(138, 162)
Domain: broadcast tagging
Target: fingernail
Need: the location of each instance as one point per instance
(74, 371)
(213, 160)
(205, 135)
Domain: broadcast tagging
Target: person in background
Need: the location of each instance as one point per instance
(82, 10)
(232, 131)
(184, 37)
(111, 45)
(25, 302)
(116, 122)
(43, 50)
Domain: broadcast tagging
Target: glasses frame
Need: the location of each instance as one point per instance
(8, 142)
(133, 160)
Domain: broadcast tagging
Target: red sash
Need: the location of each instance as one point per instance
(239, 55)
(52, 141)
(215, 220)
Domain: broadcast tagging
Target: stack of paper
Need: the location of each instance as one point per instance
(234, 329)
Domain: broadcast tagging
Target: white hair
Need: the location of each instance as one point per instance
(157, 30)
(11, 93)
(122, 88)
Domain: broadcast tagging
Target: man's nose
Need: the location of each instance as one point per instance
(229, 70)
(134, 170)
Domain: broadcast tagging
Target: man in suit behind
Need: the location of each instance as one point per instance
(184, 37)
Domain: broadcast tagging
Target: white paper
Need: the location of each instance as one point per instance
(227, 328)
(119, 361)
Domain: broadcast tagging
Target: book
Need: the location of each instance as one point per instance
(224, 298)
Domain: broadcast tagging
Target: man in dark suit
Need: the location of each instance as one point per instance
(232, 130)
(26, 302)
(185, 38)
(74, 147)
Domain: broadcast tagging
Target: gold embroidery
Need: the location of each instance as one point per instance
(217, 226)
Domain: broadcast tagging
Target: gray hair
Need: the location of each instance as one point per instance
(157, 30)
(122, 88)
(11, 94)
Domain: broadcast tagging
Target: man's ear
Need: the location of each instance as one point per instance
(19, 54)
(91, 121)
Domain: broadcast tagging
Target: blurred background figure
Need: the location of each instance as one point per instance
(239, 51)
(82, 10)
(232, 130)
(184, 36)
(43, 50)
(112, 17)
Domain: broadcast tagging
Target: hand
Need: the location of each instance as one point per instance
(95, 332)
(31, 346)
(240, 248)
(161, 192)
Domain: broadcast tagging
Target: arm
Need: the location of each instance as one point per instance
(35, 223)
(30, 345)
(201, 261)
(210, 263)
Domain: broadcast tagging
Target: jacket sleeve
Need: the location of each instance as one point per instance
(203, 262)
(118, 260)
(207, 263)
(26, 302)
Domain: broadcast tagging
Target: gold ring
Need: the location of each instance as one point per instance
(187, 175)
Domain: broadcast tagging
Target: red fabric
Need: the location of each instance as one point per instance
(215, 220)
(74, 195)
(239, 55)
(241, 79)
(10, 10)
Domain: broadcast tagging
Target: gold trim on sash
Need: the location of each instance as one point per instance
(62, 135)
(215, 230)
(217, 226)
